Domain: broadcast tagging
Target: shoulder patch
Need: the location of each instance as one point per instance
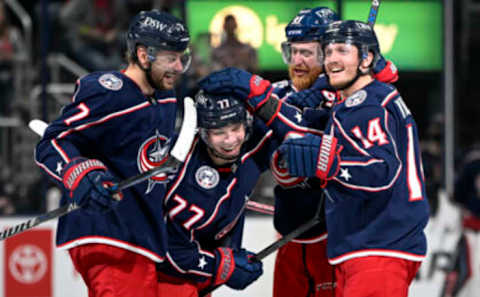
(110, 81)
(356, 99)
(207, 177)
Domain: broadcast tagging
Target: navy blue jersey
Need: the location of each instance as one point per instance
(111, 120)
(296, 205)
(205, 205)
(377, 204)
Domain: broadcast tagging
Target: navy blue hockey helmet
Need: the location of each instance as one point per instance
(308, 25)
(217, 111)
(354, 32)
(157, 30)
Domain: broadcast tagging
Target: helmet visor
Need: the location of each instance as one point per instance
(170, 59)
(305, 50)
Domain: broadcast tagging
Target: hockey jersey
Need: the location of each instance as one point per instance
(111, 120)
(377, 204)
(296, 205)
(205, 205)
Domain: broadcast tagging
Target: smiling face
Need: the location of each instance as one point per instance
(342, 65)
(305, 64)
(226, 142)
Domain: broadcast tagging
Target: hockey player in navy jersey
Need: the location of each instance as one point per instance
(464, 278)
(205, 204)
(304, 260)
(369, 163)
(301, 266)
(119, 124)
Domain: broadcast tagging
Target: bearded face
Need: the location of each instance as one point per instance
(305, 66)
(307, 75)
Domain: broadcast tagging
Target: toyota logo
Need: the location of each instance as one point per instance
(28, 264)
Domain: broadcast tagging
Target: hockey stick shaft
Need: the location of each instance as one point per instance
(260, 207)
(316, 219)
(372, 15)
(178, 155)
(39, 127)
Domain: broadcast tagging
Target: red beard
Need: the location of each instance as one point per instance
(306, 81)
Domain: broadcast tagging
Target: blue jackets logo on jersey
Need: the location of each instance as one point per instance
(152, 153)
(207, 177)
(110, 81)
(356, 99)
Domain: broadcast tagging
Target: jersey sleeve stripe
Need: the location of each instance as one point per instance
(104, 119)
(259, 145)
(219, 203)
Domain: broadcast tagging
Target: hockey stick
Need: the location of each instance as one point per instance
(372, 15)
(39, 127)
(178, 155)
(260, 207)
(316, 219)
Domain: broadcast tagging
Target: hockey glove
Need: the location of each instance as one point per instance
(88, 183)
(319, 95)
(312, 156)
(242, 84)
(385, 71)
(279, 170)
(236, 268)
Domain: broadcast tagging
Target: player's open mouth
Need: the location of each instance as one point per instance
(300, 72)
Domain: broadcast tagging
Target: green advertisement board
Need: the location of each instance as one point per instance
(410, 32)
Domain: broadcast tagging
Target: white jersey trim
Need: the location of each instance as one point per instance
(113, 242)
(377, 252)
(322, 237)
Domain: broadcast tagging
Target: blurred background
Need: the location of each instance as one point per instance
(46, 45)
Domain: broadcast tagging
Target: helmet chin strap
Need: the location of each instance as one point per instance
(357, 76)
(148, 74)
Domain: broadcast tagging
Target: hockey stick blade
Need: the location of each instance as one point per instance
(316, 219)
(178, 155)
(38, 126)
(372, 15)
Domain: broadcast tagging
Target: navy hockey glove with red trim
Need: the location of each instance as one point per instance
(242, 84)
(385, 71)
(312, 156)
(236, 268)
(321, 94)
(88, 183)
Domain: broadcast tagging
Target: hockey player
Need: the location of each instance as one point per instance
(119, 123)
(301, 267)
(376, 207)
(205, 203)
(464, 278)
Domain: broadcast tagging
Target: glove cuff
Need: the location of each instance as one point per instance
(389, 74)
(260, 91)
(327, 156)
(77, 169)
(225, 265)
